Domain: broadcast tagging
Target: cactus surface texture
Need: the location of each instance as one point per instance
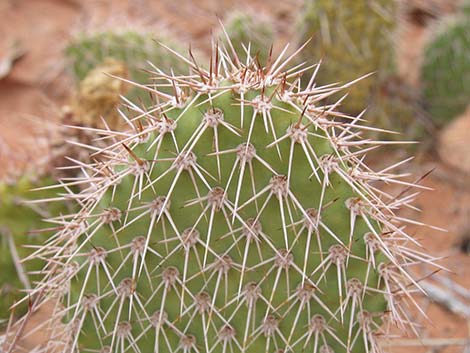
(354, 38)
(132, 48)
(446, 69)
(235, 215)
(249, 28)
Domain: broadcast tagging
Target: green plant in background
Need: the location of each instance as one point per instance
(397, 107)
(464, 7)
(236, 216)
(133, 49)
(353, 38)
(245, 27)
(445, 72)
(18, 223)
(99, 95)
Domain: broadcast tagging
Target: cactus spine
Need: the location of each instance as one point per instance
(236, 216)
(446, 70)
(18, 221)
(255, 29)
(94, 106)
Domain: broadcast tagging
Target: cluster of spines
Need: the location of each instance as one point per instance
(19, 224)
(75, 250)
(250, 28)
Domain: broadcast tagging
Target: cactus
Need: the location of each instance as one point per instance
(353, 38)
(236, 216)
(244, 27)
(446, 70)
(99, 95)
(18, 221)
(132, 48)
(464, 7)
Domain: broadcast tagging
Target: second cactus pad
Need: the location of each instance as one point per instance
(132, 48)
(249, 31)
(354, 38)
(446, 70)
(99, 95)
(236, 217)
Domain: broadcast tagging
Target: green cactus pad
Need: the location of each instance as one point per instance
(353, 39)
(237, 216)
(134, 49)
(244, 27)
(445, 72)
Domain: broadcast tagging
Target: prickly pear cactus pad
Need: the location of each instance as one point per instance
(236, 215)
(252, 28)
(446, 70)
(133, 48)
(354, 38)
